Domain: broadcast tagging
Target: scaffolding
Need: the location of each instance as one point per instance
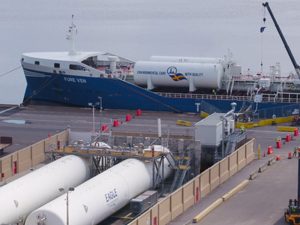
(102, 158)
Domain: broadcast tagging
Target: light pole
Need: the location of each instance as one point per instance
(93, 107)
(100, 103)
(67, 202)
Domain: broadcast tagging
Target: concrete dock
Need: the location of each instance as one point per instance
(30, 124)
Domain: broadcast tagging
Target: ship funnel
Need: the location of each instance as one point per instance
(71, 33)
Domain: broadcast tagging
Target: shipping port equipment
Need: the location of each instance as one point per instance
(104, 158)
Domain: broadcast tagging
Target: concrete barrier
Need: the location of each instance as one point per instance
(188, 195)
(263, 167)
(6, 167)
(30, 156)
(205, 183)
(253, 175)
(24, 159)
(176, 203)
(271, 161)
(265, 122)
(249, 151)
(164, 211)
(235, 190)
(224, 170)
(154, 214)
(214, 177)
(285, 128)
(206, 211)
(38, 152)
(233, 164)
(145, 218)
(197, 189)
(241, 156)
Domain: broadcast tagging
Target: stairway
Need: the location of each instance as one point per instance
(182, 167)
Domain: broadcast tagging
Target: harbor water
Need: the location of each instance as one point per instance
(137, 29)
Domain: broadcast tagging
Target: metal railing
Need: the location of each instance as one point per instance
(280, 97)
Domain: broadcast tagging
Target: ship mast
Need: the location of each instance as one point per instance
(71, 33)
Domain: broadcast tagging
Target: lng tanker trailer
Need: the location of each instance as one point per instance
(101, 196)
(20, 197)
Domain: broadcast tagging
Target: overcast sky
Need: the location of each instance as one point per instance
(137, 29)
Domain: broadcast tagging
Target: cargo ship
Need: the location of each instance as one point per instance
(164, 83)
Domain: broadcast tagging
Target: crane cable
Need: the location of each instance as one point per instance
(262, 28)
(8, 72)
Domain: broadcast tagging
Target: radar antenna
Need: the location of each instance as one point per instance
(71, 33)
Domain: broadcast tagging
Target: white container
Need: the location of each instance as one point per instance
(191, 75)
(22, 196)
(101, 196)
(209, 131)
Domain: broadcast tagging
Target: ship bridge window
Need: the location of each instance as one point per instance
(56, 65)
(37, 62)
(91, 61)
(76, 67)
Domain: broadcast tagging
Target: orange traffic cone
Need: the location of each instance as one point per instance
(277, 158)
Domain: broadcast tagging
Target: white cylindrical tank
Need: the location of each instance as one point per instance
(174, 74)
(101, 196)
(22, 196)
(184, 59)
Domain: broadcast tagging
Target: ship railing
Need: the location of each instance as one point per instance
(280, 97)
(205, 96)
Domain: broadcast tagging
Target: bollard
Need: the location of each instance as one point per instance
(258, 151)
(104, 127)
(116, 123)
(138, 112)
(278, 144)
(296, 132)
(290, 155)
(270, 150)
(128, 118)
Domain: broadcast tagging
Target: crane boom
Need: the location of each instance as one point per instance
(296, 66)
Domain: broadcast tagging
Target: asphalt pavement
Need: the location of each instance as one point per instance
(264, 200)
(32, 123)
